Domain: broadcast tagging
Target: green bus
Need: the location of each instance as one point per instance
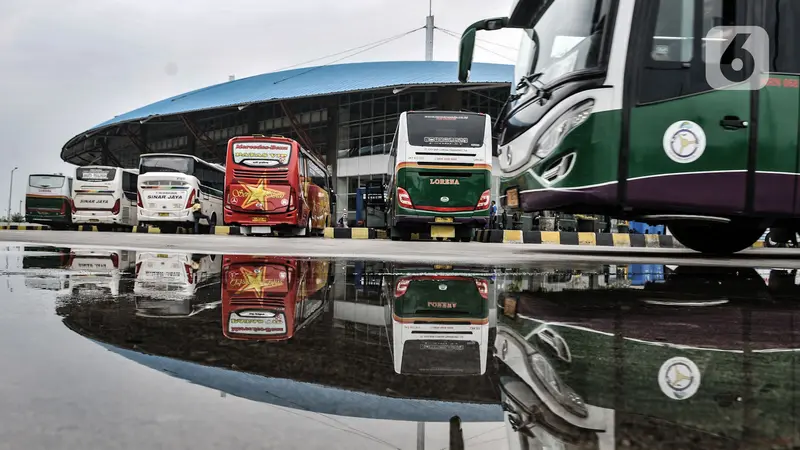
(47, 200)
(654, 110)
(440, 166)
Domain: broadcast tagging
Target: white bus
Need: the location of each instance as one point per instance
(440, 323)
(169, 184)
(440, 167)
(47, 200)
(104, 196)
(176, 284)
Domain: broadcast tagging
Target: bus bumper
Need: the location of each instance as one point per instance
(264, 220)
(149, 215)
(94, 218)
(474, 222)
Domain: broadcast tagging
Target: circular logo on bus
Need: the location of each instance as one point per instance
(684, 142)
(442, 287)
(445, 199)
(679, 378)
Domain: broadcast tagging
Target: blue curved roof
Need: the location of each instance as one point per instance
(316, 81)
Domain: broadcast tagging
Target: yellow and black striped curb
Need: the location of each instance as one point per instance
(24, 227)
(225, 230)
(590, 239)
(151, 230)
(354, 233)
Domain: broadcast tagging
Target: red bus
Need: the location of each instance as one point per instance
(270, 298)
(272, 185)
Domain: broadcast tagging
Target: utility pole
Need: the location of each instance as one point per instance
(10, 189)
(429, 33)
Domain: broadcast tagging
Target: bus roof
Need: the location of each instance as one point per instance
(48, 175)
(136, 171)
(428, 111)
(183, 155)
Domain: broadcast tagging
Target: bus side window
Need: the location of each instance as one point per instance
(674, 63)
(129, 185)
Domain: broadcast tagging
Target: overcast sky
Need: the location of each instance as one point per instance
(67, 66)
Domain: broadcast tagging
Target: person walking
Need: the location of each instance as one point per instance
(197, 212)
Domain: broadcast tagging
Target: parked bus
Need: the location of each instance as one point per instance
(612, 112)
(440, 167)
(104, 195)
(271, 298)
(440, 321)
(274, 184)
(169, 185)
(47, 200)
(176, 285)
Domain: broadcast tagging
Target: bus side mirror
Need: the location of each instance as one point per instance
(465, 51)
(467, 45)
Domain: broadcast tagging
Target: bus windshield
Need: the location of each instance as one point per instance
(446, 129)
(46, 181)
(166, 164)
(568, 36)
(261, 154)
(95, 174)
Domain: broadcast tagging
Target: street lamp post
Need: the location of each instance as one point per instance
(10, 189)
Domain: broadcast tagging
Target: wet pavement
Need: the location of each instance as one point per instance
(115, 348)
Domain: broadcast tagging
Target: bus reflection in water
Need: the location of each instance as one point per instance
(99, 273)
(176, 284)
(52, 261)
(440, 321)
(271, 298)
(690, 362)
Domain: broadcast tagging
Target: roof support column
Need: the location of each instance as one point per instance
(332, 138)
(252, 120)
(191, 144)
(449, 98)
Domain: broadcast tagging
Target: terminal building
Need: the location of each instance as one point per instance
(345, 113)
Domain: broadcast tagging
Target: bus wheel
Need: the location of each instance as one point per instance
(716, 238)
(212, 223)
(399, 234)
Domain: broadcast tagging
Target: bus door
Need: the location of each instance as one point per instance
(777, 186)
(688, 142)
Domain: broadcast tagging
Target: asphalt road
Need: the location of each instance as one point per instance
(414, 251)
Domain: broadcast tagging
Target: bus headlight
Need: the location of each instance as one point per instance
(561, 128)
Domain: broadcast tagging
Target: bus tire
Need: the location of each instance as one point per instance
(398, 234)
(212, 223)
(716, 238)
